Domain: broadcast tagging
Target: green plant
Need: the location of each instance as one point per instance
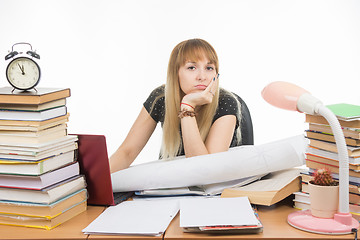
(323, 177)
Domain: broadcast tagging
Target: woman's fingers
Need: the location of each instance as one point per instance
(211, 88)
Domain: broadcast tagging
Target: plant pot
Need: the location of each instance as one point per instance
(324, 200)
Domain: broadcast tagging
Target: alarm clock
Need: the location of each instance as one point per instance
(23, 72)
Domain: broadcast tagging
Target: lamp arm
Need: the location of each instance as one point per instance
(343, 157)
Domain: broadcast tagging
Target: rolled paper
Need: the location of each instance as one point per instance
(236, 163)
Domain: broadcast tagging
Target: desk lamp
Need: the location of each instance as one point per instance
(291, 97)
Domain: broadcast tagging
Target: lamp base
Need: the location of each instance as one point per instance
(303, 220)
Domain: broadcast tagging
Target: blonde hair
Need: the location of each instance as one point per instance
(189, 50)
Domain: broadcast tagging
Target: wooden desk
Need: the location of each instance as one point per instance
(274, 220)
(68, 230)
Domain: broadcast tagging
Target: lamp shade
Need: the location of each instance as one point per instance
(289, 96)
(283, 95)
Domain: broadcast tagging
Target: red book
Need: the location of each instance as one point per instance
(94, 164)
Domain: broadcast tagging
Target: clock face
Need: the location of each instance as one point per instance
(23, 73)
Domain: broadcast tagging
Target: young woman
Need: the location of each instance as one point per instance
(197, 116)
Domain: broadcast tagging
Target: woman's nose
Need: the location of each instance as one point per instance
(201, 76)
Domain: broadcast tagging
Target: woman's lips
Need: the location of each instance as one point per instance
(201, 87)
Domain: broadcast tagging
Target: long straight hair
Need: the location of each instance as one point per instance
(189, 50)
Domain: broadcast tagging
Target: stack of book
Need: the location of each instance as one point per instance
(40, 181)
(322, 152)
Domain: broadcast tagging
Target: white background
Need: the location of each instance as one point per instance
(112, 53)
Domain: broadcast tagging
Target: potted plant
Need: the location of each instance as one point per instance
(324, 194)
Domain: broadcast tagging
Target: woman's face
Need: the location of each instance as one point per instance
(195, 76)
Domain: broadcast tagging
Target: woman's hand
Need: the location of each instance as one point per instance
(201, 98)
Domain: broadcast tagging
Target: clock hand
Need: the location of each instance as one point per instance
(22, 69)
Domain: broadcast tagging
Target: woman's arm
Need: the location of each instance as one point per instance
(220, 134)
(134, 142)
(218, 139)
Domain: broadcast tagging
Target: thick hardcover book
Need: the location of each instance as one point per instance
(45, 223)
(30, 129)
(29, 134)
(321, 120)
(11, 139)
(269, 190)
(35, 149)
(43, 210)
(42, 181)
(34, 107)
(330, 138)
(32, 125)
(33, 115)
(333, 161)
(47, 195)
(345, 111)
(327, 146)
(34, 137)
(29, 167)
(28, 155)
(348, 132)
(94, 164)
(38, 96)
(334, 169)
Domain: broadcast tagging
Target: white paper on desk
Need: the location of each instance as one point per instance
(205, 190)
(216, 212)
(237, 163)
(217, 188)
(135, 218)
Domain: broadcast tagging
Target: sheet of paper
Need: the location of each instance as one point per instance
(216, 212)
(171, 192)
(172, 198)
(239, 162)
(135, 218)
(217, 188)
(205, 190)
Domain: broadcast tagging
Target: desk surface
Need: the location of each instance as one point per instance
(273, 219)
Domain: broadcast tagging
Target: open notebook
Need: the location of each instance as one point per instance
(94, 164)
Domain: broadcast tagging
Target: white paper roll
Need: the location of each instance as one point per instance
(237, 163)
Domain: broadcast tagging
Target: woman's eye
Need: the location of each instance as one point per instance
(191, 68)
(210, 68)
